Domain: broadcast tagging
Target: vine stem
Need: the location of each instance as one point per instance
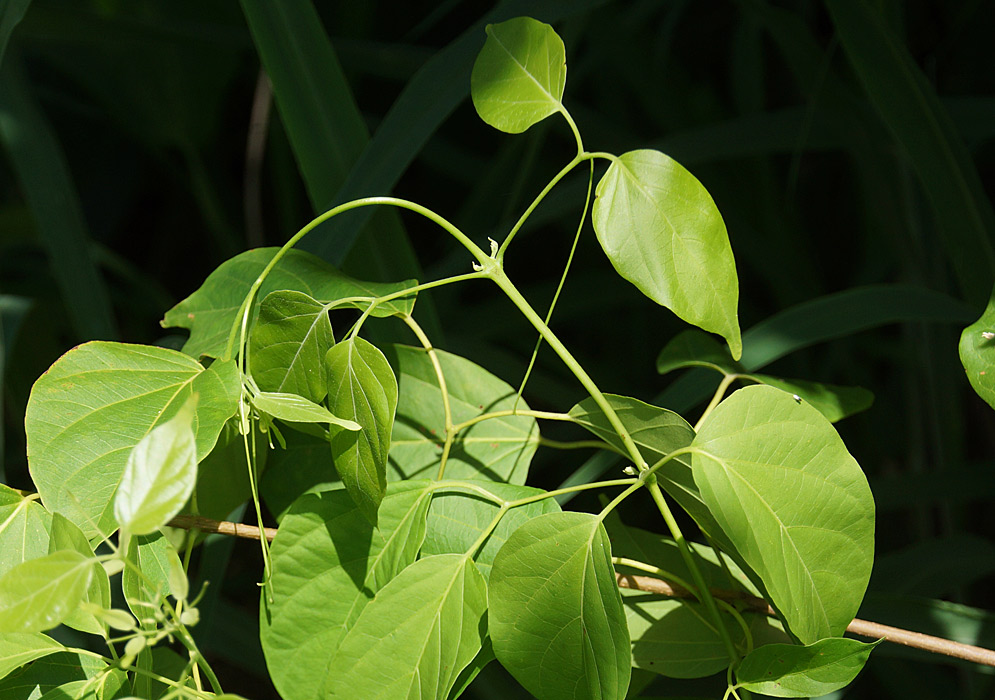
(727, 380)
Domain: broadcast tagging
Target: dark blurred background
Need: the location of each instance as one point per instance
(849, 146)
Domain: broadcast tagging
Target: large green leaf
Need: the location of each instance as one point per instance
(328, 562)
(39, 594)
(519, 75)
(416, 636)
(791, 671)
(794, 504)
(210, 311)
(556, 617)
(66, 536)
(24, 529)
(33, 681)
(662, 232)
(96, 403)
(160, 474)
(17, 649)
(362, 388)
(458, 516)
(287, 345)
(977, 353)
(499, 449)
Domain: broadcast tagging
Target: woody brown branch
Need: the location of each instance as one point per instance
(861, 628)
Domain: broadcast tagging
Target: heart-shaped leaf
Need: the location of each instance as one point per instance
(662, 232)
(556, 617)
(791, 671)
(794, 504)
(362, 389)
(519, 75)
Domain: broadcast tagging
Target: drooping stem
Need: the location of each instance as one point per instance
(440, 376)
(716, 398)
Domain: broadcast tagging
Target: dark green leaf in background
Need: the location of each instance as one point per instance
(662, 232)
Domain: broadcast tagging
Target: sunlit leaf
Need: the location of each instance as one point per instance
(210, 311)
(96, 403)
(977, 353)
(793, 502)
(50, 672)
(328, 562)
(459, 516)
(498, 449)
(24, 529)
(160, 474)
(17, 649)
(39, 594)
(832, 401)
(791, 671)
(297, 409)
(416, 636)
(556, 617)
(155, 557)
(66, 536)
(519, 75)
(362, 388)
(662, 232)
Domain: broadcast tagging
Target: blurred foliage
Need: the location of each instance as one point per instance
(846, 144)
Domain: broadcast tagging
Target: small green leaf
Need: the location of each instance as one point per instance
(155, 557)
(39, 594)
(519, 75)
(288, 343)
(24, 529)
(297, 409)
(458, 516)
(66, 536)
(556, 617)
(795, 505)
(662, 232)
(416, 636)
(791, 671)
(160, 474)
(693, 348)
(96, 403)
(328, 562)
(210, 311)
(19, 648)
(499, 449)
(977, 353)
(362, 388)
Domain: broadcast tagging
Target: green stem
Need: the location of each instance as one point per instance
(689, 561)
(535, 203)
(487, 530)
(547, 415)
(501, 279)
(619, 498)
(572, 489)
(716, 398)
(574, 129)
(443, 389)
(656, 571)
(577, 445)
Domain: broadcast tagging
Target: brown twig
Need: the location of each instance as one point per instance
(862, 628)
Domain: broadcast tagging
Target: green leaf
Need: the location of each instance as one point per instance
(210, 311)
(24, 529)
(833, 401)
(155, 557)
(328, 562)
(287, 345)
(303, 466)
(96, 403)
(977, 353)
(662, 232)
(160, 474)
(39, 594)
(519, 75)
(692, 348)
(50, 672)
(416, 636)
(458, 516)
(223, 476)
(66, 536)
(362, 388)
(113, 684)
(473, 669)
(498, 449)
(910, 108)
(556, 617)
(795, 505)
(791, 671)
(297, 409)
(17, 649)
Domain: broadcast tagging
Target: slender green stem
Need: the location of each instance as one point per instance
(719, 393)
(535, 203)
(547, 415)
(574, 129)
(656, 571)
(572, 489)
(487, 530)
(167, 681)
(689, 561)
(470, 486)
(506, 285)
(440, 376)
(578, 445)
(559, 287)
(619, 498)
